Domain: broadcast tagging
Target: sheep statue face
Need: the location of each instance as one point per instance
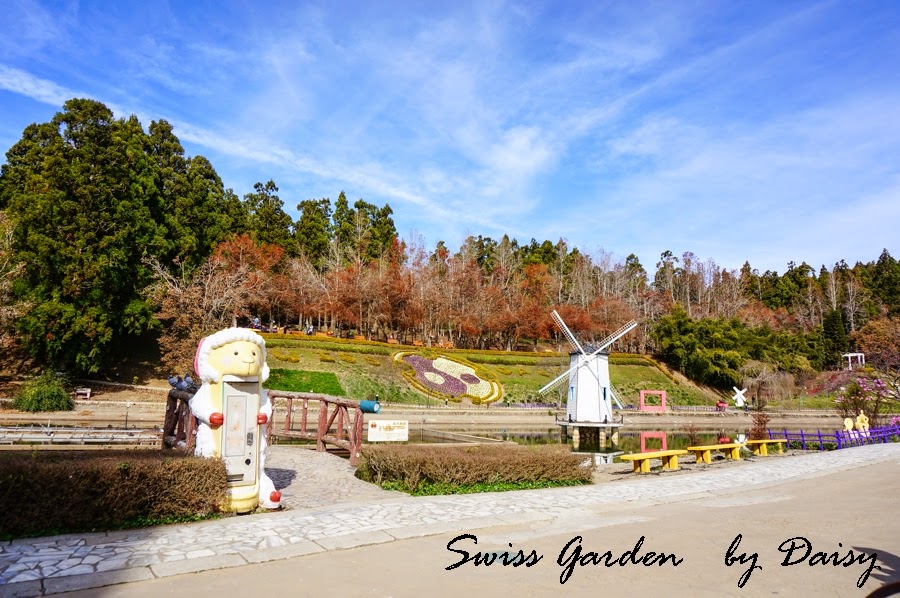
(237, 358)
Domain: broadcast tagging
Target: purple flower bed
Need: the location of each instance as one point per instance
(450, 385)
(470, 379)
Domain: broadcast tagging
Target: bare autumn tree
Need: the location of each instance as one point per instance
(728, 296)
(879, 339)
(234, 280)
(535, 301)
(464, 313)
(397, 312)
(854, 297)
(343, 299)
(303, 290)
(427, 272)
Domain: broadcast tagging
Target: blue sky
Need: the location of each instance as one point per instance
(760, 131)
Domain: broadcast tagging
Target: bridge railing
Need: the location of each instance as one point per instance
(339, 422)
(180, 426)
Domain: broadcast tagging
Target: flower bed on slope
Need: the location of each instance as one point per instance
(448, 378)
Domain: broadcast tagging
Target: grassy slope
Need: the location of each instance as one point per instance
(365, 369)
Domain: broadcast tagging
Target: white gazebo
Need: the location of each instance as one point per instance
(859, 357)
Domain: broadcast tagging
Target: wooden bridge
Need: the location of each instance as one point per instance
(339, 422)
(344, 416)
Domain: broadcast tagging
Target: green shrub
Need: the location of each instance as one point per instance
(446, 470)
(47, 392)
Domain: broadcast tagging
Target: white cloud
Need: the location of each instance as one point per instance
(41, 90)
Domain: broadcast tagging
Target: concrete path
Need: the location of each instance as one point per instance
(65, 563)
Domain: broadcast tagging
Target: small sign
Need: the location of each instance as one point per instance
(388, 430)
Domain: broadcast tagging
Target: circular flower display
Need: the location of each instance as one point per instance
(430, 376)
(445, 377)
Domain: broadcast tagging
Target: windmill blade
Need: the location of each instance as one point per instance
(616, 335)
(568, 333)
(557, 382)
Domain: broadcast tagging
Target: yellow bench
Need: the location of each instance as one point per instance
(641, 461)
(703, 452)
(759, 446)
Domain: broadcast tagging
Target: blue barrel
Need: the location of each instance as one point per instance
(370, 406)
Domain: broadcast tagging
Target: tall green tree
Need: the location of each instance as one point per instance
(207, 210)
(342, 222)
(192, 200)
(364, 232)
(267, 220)
(236, 217)
(81, 193)
(886, 282)
(383, 231)
(835, 338)
(312, 231)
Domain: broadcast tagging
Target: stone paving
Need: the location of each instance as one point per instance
(42, 566)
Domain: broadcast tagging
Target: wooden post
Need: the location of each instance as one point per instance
(190, 429)
(356, 438)
(288, 417)
(323, 426)
(303, 415)
(171, 421)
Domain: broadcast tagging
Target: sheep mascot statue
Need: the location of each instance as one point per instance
(233, 410)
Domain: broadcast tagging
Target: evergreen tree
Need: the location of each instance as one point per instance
(236, 219)
(81, 192)
(886, 282)
(267, 220)
(342, 222)
(835, 338)
(312, 231)
(206, 211)
(383, 231)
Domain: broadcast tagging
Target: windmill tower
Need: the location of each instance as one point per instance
(590, 391)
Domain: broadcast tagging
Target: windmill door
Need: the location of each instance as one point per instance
(240, 445)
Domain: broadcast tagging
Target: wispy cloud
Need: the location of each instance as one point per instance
(19, 82)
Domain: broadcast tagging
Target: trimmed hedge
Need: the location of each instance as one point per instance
(53, 492)
(409, 468)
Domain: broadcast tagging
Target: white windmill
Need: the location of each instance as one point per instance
(590, 391)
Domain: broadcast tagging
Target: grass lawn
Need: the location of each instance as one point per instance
(630, 380)
(303, 381)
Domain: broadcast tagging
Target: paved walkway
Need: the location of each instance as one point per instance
(52, 565)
